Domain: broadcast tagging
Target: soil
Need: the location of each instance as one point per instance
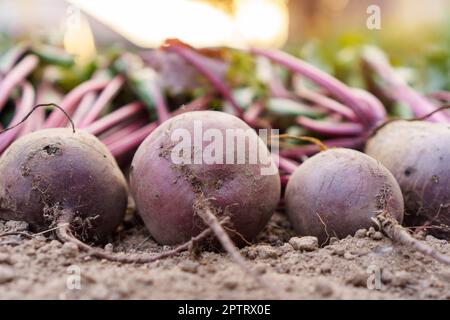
(42, 268)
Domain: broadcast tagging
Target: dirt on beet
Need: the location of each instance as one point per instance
(365, 266)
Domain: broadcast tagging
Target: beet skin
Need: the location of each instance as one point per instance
(418, 155)
(338, 191)
(52, 170)
(165, 192)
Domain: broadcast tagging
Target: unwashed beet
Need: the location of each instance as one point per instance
(55, 172)
(338, 191)
(418, 155)
(169, 195)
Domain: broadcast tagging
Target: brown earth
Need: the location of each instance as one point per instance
(42, 268)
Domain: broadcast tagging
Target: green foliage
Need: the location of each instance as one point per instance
(242, 72)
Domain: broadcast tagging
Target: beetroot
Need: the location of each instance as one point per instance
(53, 173)
(166, 192)
(338, 191)
(418, 155)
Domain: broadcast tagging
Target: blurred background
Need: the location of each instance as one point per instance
(328, 33)
(62, 46)
(271, 23)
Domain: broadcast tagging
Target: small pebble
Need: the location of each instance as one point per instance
(358, 279)
(251, 254)
(285, 248)
(349, 256)
(333, 240)
(445, 275)
(402, 279)
(260, 269)
(40, 238)
(282, 268)
(304, 243)
(189, 266)
(339, 251)
(419, 256)
(325, 268)
(69, 250)
(370, 232)
(230, 284)
(377, 235)
(55, 244)
(209, 268)
(5, 258)
(109, 248)
(273, 240)
(289, 288)
(360, 252)
(383, 249)
(324, 289)
(420, 235)
(386, 276)
(7, 274)
(361, 233)
(17, 225)
(267, 252)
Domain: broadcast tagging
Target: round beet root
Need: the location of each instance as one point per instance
(166, 191)
(338, 191)
(418, 155)
(48, 172)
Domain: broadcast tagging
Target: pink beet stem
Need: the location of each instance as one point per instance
(219, 84)
(131, 141)
(103, 99)
(328, 103)
(37, 119)
(284, 179)
(400, 90)
(114, 118)
(277, 89)
(443, 96)
(122, 130)
(440, 95)
(14, 55)
(307, 150)
(253, 112)
(24, 106)
(160, 103)
(83, 107)
(15, 76)
(330, 128)
(286, 165)
(201, 103)
(334, 86)
(373, 104)
(70, 102)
